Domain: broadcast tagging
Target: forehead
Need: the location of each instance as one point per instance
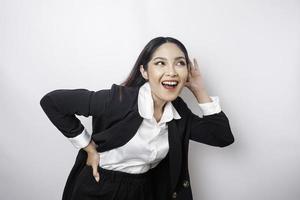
(168, 50)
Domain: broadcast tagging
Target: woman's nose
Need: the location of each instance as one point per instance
(171, 70)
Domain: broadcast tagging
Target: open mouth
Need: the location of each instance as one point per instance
(169, 84)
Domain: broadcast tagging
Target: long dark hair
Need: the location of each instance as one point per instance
(135, 79)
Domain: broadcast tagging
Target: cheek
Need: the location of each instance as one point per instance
(155, 74)
(183, 73)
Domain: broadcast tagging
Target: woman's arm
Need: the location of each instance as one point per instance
(213, 128)
(61, 106)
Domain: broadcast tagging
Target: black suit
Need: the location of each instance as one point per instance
(116, 120)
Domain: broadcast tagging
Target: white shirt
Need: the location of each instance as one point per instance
(150, 143)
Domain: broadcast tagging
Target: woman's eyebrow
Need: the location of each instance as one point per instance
(166, 59)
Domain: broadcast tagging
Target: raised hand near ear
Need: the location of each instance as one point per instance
(196, 83)
(195, 79)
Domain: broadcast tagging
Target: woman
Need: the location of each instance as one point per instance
(141, 128)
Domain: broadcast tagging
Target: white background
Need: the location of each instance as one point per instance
(248, 52)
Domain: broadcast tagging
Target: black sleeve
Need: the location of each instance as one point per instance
(61, 106)
(211, 129)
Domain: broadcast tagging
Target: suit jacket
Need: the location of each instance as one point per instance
(115, 120)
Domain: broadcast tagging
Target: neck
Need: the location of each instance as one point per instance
(158, 104)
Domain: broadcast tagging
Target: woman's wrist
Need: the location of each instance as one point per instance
(201, 95)
(91, 147)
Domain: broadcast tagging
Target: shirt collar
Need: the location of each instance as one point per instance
(146, 107)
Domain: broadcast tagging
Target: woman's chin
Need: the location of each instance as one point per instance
(170, 97)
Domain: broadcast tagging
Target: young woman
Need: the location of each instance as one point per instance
(141, 128)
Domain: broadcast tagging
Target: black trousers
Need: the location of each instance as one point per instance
(113, 185)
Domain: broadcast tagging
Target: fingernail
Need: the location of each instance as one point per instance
(97, 179)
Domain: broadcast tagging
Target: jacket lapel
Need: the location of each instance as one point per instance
(123, 130)
(175, 154)
(118, 134)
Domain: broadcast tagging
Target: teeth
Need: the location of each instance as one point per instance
(170, 83)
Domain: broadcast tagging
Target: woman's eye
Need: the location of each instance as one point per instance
(159, 62)
(182, 63)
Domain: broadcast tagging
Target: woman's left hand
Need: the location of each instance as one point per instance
(195, 80)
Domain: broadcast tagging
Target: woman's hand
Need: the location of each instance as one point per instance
(195, 80)
(93, 159)
(196, 83)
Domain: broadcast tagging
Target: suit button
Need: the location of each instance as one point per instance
(186, 183)
(174, 195)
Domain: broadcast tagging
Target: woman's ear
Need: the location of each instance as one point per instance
(143, 72)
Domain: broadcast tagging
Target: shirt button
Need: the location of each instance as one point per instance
(186, 183)
(174, 195)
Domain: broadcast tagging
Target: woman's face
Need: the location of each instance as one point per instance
(167, 72)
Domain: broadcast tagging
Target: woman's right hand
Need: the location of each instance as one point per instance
(93, 159)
